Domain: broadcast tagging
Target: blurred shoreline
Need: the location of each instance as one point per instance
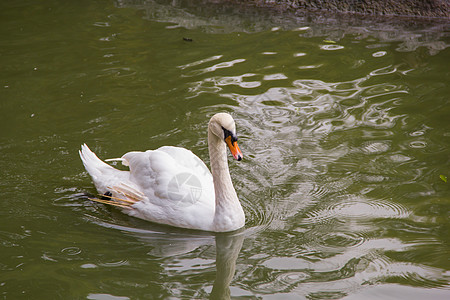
(388, 8)
(225, 16)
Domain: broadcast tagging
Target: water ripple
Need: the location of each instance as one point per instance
(344, 138)
(342, 240)
(221, 65)
(358, 208)
(331, 47)
(379, 53)
(71, 251)
(201, 61)
(383, 267)
(280, 282)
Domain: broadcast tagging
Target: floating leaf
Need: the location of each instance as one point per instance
(444, 178)
(329, 41)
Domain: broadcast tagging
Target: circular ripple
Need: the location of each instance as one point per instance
(375, 147)
(379, 53)
(373, 209)
(417, 133)
(290, 278)
(359, 209)
(415, 274)
(331, 47)
(282, 282)
(257, 218)
(276, 112)
(341, 240)
(71, 251)
(418, 144)
(115, 264)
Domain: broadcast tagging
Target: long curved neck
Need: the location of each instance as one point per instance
(229, 214)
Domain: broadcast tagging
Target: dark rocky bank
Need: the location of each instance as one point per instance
(408, 8)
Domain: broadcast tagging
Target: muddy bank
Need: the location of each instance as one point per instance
(410, 8)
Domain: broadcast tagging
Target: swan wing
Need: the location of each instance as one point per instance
(177, 185)
(169, 185)
(188, 160)
(155, 172)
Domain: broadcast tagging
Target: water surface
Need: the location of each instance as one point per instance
(344, 127)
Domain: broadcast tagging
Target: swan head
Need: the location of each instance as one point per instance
(222, 125)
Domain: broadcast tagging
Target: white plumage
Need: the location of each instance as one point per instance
(171, 185)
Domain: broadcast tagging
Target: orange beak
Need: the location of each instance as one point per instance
(234, 148)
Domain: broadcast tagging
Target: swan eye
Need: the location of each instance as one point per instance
(228, 133)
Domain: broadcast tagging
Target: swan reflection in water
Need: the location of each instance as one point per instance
(177, 245)
(227, 246)
(227, 251)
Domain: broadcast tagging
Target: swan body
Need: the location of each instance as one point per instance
(171, 185)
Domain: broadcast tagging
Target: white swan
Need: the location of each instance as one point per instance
(171, 185)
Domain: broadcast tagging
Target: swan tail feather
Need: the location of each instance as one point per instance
(126, 196)
(129, 192)
(94, 165)
(111, 202)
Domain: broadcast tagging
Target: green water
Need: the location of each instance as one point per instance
(344, 128)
